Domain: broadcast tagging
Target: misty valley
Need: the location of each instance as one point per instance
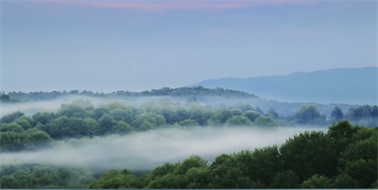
(189, 137)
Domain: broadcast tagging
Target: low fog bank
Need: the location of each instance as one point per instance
(282, 108)
(30, 108)
(146, 150)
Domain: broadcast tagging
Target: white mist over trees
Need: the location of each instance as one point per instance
(135, 134)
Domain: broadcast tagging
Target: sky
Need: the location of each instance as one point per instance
(137, 45)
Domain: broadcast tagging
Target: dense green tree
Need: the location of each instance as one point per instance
(119, 111)
(63, 127)
(188, 123)
(121, 127)
(317, 181)
(191, 162)
(12, 141)
(337, 114)
(198, 177)
(238, 121)
(37, 138)
(261, 164)
(344, 181)
(309, 114)
(148, 120)
(43, 117)
(24, 122)
(99, 112)
(341, 134)
(359, 161)
(5, 98)
(43, 176)
(237, 112)
(252, 115)
(272, 113)
(14, 127)
(169, 181)
(265, 122)
(106, 123)
(163, 170)
(310, 153)
(114, 179)
(9, 118)
(363, 115)
(78, 108)
(198, 113)
(358, 113)
(225, 174)
(285, 179)
(9, 181)
(220, 117)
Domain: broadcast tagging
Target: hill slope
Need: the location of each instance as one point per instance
(344, 85)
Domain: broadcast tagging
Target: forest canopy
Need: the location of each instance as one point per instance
(344, 156)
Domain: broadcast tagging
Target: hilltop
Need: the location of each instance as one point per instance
(344, 85)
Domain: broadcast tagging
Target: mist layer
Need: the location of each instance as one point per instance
(146, 150)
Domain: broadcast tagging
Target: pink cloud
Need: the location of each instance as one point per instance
(159, 6)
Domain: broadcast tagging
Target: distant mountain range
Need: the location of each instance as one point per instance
(344, 85)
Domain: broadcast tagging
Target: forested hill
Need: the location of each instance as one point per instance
(197, 91)
(345, 85)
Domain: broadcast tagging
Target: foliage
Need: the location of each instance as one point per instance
(265, 121)
(306, 160)
(43, 176)
(337, 114)
(309, 114)
(238, 121)
(342, 157)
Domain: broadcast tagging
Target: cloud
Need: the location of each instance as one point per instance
(159, 6)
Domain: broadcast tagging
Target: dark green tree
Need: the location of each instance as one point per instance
(265, 122)
(238, 121)
(106, 124)
(317, 181)
(220, 117)
(285, 179)
(309, 114)
(252, 115)
(337, 114)
(5, 98)
(344, 181)
(310, 153)
(9, 118)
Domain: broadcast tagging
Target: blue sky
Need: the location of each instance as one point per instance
(137, 45)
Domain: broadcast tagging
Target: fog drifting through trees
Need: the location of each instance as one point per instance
(146, 150)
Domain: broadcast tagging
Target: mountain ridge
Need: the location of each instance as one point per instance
(339, 85)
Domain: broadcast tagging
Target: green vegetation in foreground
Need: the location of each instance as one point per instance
(343, 157)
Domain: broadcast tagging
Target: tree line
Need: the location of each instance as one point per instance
(81, 119)
(166, 91)
(343, 157)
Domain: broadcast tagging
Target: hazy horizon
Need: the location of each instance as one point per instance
(131, 45)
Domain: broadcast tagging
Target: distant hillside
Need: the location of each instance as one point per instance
(344, 85)
(197, 91)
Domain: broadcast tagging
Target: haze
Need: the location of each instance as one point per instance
(146, 150)
(132, 45)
